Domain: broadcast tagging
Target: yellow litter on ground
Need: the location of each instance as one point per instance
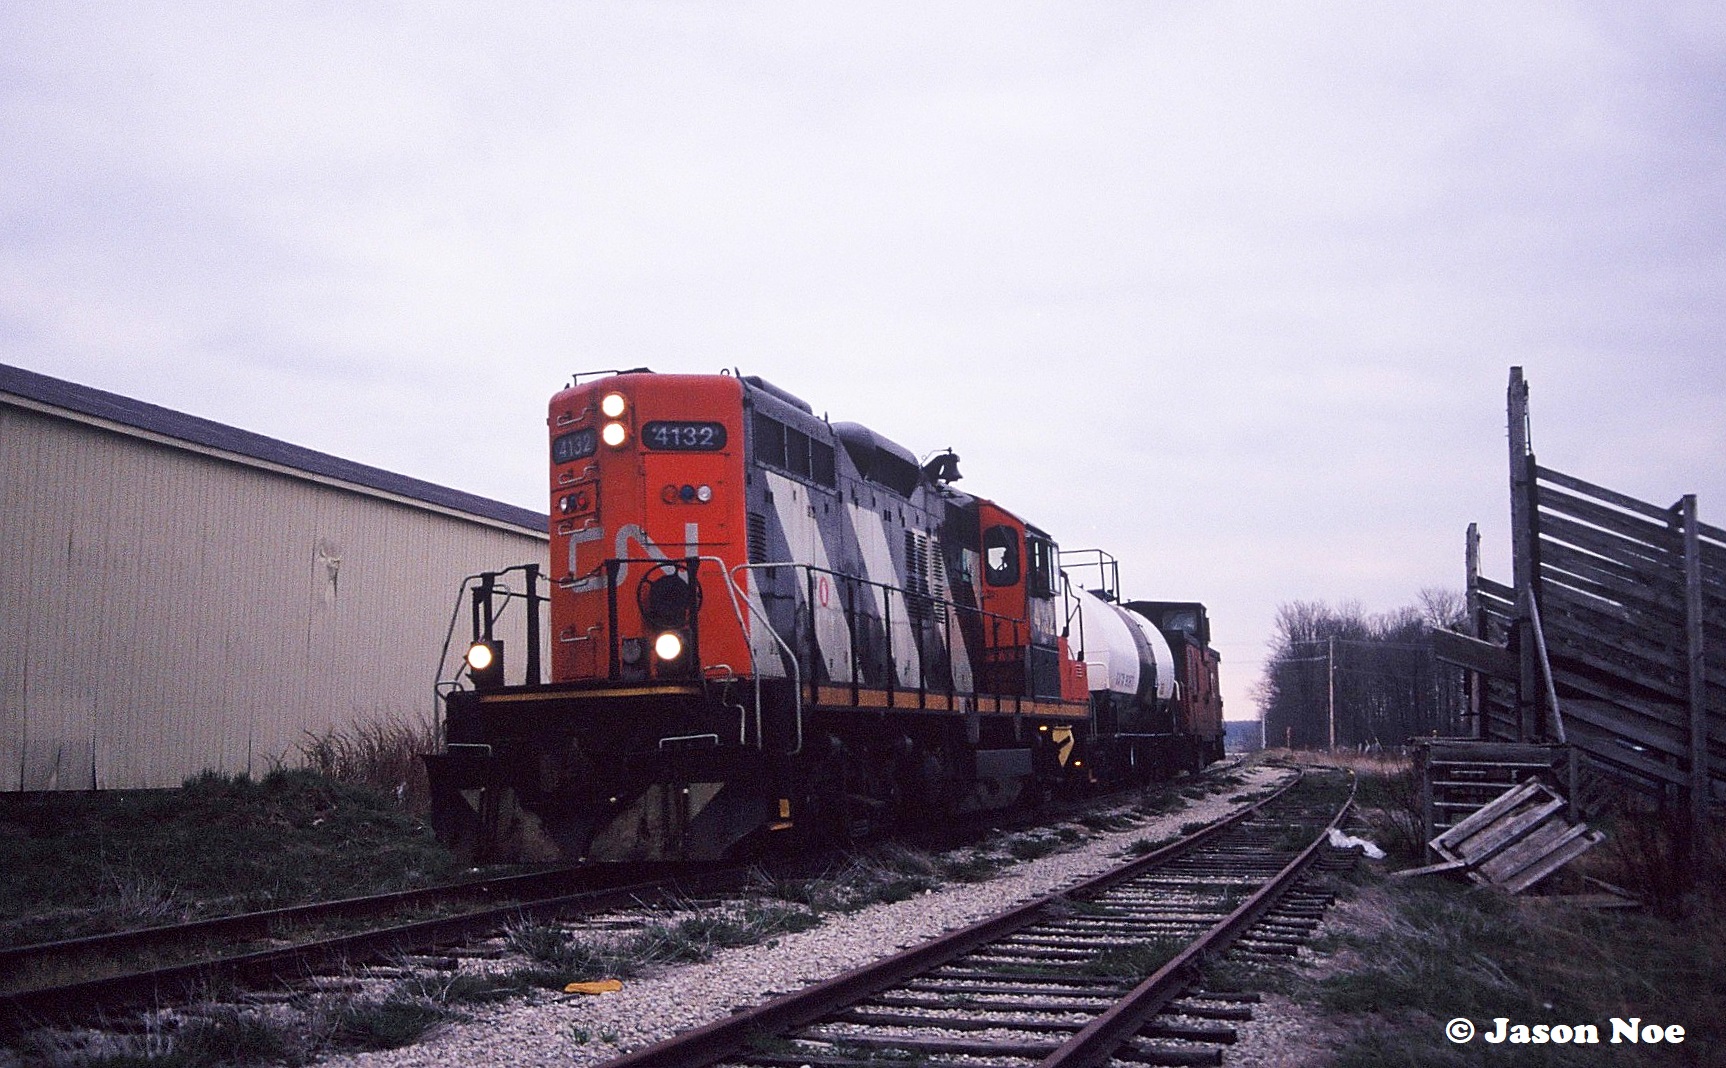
(598, 986)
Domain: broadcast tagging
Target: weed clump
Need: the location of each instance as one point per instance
(388, 1024)
(1032, 846)
(1134, 960)
(559, 958)
(1141, 846)
(382, 754)
(1159, 800)
(971, 867)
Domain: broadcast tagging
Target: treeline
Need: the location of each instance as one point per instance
(1375, 675)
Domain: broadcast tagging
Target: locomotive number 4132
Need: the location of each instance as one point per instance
(683, 436)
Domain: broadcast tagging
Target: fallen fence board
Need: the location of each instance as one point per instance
(1517, 840)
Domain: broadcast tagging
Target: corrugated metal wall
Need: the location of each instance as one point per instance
(164, 611)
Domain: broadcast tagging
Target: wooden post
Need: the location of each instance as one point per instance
(1524, 563)
(1423, 769)
(1477, 622)
(1330, 689)
(1696, 665)
(1572, 784)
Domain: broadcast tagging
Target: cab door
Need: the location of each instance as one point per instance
(1005, 628)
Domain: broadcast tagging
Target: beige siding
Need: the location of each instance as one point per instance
(164, 611)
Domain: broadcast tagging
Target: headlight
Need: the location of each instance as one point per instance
(612, 405)
(614, 434)
(485, 663)
(668, 646)
(479, 656)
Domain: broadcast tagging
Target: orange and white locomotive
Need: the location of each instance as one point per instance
(764, 626)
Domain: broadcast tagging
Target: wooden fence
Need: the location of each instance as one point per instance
(1601, 640)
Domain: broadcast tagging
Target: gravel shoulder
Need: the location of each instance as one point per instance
(575, 1030)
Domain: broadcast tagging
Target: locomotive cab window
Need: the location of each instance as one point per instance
(1040, 566)
(1001, 556)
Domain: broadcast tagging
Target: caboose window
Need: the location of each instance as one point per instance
(1184, 621)
(576, 445)
(683, 436)
(1001, 556)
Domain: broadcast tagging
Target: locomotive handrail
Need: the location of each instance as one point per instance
(796, 669)
(995, 622)
(479, 589)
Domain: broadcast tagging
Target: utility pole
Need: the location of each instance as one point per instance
(1330, 687)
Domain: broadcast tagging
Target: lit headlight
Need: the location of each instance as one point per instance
(668, 646)
(612, 405)
(479, 656)
(614, 434)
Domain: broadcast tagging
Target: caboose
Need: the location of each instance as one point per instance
(763, 627)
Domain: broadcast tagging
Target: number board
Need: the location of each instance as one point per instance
(684, 436)
(576, 445)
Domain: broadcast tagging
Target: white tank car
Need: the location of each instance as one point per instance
(1125, 656)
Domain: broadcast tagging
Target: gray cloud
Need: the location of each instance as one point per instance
(1228, 289)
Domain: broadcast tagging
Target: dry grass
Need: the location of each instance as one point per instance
(1408, 956)
(383, 754)
(85, 863)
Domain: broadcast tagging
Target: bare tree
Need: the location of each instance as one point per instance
(1370, 679)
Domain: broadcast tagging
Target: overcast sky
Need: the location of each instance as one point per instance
(1231, 291)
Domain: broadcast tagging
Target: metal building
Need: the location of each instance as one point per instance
(178, 595)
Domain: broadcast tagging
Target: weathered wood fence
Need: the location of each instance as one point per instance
(1603, 638)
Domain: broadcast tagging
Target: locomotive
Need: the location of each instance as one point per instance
(764, 627)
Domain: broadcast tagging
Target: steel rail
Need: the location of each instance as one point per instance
(1099, 1039)
(17, 962)
(89, 997)
(713, 1042)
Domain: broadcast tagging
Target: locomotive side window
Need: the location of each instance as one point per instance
(821, 463)
(1001, 556)
(797, 451)
(769, 441)
(576, 445)
(793, 450)
(684, 436)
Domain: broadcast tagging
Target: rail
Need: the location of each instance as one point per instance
(38, 986)
(1005, 948)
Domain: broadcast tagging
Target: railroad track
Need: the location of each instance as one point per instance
(85, 977)
(1106, 971)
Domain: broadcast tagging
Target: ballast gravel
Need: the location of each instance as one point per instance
(575, 1030)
